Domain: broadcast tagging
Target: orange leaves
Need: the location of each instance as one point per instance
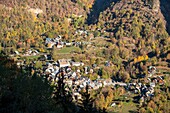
(30, 41)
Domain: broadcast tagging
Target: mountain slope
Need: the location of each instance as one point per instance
(165, 8)
(134, 20)
(22, 21)
(59, 7)
(98, 7)
(137, 30)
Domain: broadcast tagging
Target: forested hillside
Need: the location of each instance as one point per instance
(137, 30)
(26, 21)
(114, 53)
(135, 23)
(23, 22)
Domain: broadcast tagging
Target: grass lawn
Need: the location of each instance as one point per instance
(126, 107)
(129, 107)
(67, 50)
(31, 57)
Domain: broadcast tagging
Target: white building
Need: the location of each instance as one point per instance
(63, 63)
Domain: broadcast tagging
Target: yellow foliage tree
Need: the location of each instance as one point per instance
(102, 101)
(135, 60)
(153, 45)
(140, 58)
(109, 97)
(146, 57)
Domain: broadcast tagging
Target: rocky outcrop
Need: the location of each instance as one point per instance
(156, 6)
(165, 9)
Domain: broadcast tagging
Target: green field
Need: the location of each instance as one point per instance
(129, 107)
(30, 57)
(126, 107)
(68, 50)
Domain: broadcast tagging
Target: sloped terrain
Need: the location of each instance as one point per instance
(30, 19)
(165, 8)
(137, 30)
(60, 8)
(120, 48)
(98, 7)
(133, 20)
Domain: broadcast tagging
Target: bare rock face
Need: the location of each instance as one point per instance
(165, 9)
(156, 6)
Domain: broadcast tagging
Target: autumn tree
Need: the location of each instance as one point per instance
(54, 53)
(86, 104)
(104, 99)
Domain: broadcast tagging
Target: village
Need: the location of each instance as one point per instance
(85, 56)
(75, 73)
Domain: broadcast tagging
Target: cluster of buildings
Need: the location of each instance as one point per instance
(59, 43)
(31, 52)
(74, 78)
(146, 91)
(51, 42)
(143, 90)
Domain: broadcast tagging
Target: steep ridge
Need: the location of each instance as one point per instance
(98, 7)
(130, 19)
(135, 25)
(165, 8)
